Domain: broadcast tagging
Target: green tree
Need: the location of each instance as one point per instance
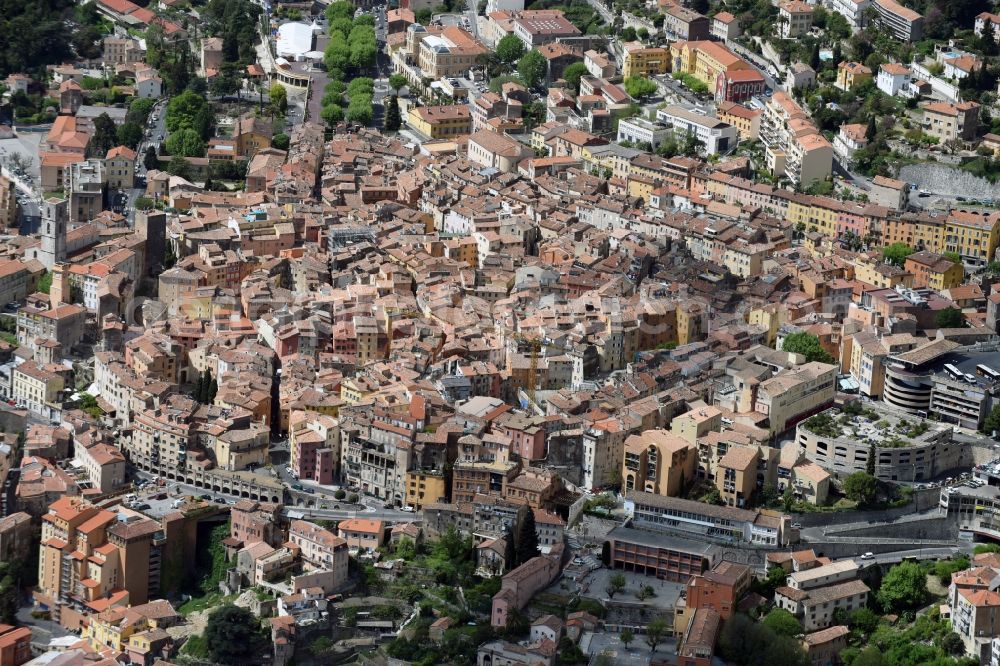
(808, 345)
(897, 253)
(510, 49)
(950, 317)
(186, 111)
(129, 134)
(532, 68)
(340, 9)
(45, 282)
(213, 390)
(903, 588)
(782, 623)
(105, 136)
(638, 87)
(870, 462)
(870, 656)
(279, 99)
(392, 117)
(616, 584)
(280, 141)
(233, 635)
(143, 203)
(185, 142)
(178, 166)
(991, 423)
(360, 110)
(397, 81)
(952, 642)
(627, 637)
(864, 620)
(526, 538)
(573, 73)
(860, 487)
(655, 631)
(332, 114)
(150, 159)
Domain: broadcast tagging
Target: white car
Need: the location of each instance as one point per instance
(868, 556)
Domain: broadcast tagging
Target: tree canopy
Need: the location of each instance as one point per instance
(808, 345)
(638, 87)
(903, 588)
(782, 623)
(861, 487)
(233, 635)
(509, 49)
(573, 73)
(897, 253)
(949, 317)
(532, 68)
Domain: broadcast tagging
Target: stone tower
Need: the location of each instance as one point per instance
(53, 230)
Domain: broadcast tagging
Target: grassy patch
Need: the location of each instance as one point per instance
(196, 646)
(210, 600)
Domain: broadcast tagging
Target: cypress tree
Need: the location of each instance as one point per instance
(213, 390)
(527, 538)
(393, 121)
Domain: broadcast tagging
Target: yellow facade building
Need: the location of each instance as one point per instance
(440, 122)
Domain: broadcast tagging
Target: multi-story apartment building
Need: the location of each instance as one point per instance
(450, 52)
(985, 18)
(904, 23)
(794, 18)
(8, 202)
(855, 11)
(119, 166)
(715, 135)
(73, 524)
(975, 617)
(314, 441)
(62, 323)
(162, 434)
(362, 534)
(15, 645)
(951, 122)
(725, 26)
(321, 549)
(934, 270)
(105, 466)
(745, 120)
(439, 122)
(816, 607)
(683, 23)
(659, 462)
(850, 139)
(705, 60)
(471, 478)
(39, 387)
(640, 60)
(84, 184)
(251, 522)
(794, 147)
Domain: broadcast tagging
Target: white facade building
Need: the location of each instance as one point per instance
(715, 135)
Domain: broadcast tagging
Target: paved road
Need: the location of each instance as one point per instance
(605, 13)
